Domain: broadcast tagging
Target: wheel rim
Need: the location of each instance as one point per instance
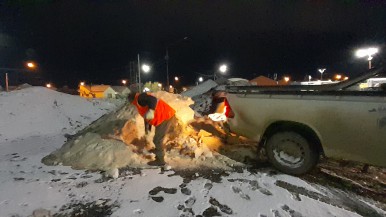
(289, 153)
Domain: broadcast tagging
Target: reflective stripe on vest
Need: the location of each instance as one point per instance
(162, 111)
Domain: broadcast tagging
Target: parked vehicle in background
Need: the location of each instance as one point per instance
(297, 124)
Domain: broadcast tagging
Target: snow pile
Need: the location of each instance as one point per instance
(41, 111)
(179, 103)
(91, 152)
(118, 140)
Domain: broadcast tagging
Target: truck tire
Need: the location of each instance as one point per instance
(291, 153)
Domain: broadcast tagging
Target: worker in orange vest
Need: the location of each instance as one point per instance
(158, 113)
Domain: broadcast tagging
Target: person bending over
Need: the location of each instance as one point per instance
(158, 113)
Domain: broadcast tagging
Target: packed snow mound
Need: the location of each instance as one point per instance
(92, 152)
(23, 86)
(200, 89)
(42, 111)
(118, 140)
(179, 103)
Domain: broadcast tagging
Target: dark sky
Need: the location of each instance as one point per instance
(94, 40)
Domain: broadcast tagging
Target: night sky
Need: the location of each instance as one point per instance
(94, 40)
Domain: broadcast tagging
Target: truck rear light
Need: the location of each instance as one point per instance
(228, 110)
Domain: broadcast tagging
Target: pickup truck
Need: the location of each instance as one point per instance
(296, 124)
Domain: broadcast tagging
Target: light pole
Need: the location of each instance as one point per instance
(321, 73)
(145, 68)
(167, 58)
(369, 52)
(29, 65)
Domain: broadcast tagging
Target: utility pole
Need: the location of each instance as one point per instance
(6, 81)
(167, 67)
(139, 76)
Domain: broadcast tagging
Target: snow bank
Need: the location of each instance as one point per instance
(41, 111)
(91, 152)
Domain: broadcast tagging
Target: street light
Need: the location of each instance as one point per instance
(369, 52)
(321, 73)
(145, 68)
(167, 57)
(82, 83)
(200, 79)
(29, 65)
(286, 79)
(223, 69)
(176, 78)
(124, 82)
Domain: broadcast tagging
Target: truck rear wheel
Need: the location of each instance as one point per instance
(291, 153)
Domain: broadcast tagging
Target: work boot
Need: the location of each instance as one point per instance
(156, 162)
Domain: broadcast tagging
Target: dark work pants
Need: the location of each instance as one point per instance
(160, 132)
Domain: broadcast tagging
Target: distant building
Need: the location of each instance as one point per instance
(264, 81)
(97, 91)
(121, 91)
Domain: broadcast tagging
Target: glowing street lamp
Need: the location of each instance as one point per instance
(176, 78)
(369, 52)
(31, 65)
(200, 79)
(124, 82)
(223, 69)
(321, 73)
(82, 83)
(286, 79)
(145, 68)
(48, 85)
(338, 77)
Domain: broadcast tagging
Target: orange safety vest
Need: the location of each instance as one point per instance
(162, 111)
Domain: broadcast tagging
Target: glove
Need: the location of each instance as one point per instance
(149, 115)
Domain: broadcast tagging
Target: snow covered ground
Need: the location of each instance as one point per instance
(34, 122)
